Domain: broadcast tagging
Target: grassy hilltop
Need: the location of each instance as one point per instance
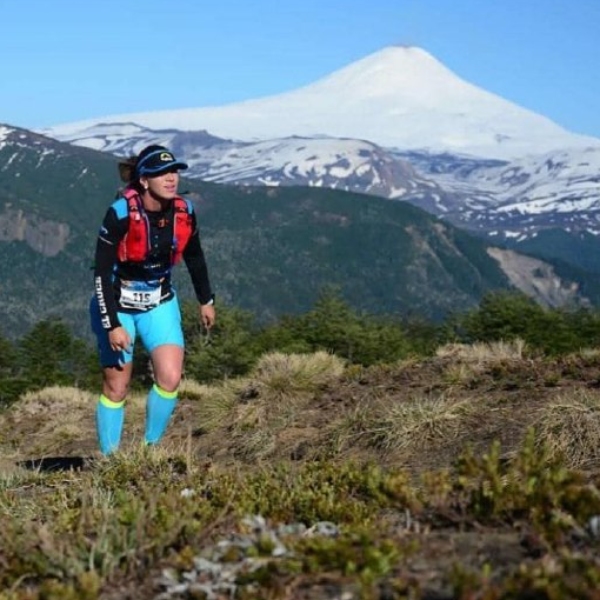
(469, 474)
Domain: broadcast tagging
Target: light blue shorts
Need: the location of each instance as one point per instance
(156, 327)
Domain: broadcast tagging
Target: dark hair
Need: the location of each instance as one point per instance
(128, 167)
(127, 170)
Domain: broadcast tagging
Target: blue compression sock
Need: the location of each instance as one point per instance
(159, 408)
(109, 423)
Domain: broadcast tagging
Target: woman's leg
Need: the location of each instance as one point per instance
(110, 409)
(167, 364)
(161, 332)
(116, 371)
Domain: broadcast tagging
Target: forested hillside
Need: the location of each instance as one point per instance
(271, 251)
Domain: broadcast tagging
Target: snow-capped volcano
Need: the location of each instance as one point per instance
(398, 97)
(398, 124)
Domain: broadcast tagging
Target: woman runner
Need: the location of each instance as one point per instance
(145, 232)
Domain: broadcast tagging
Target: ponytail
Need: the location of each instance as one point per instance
(127, 170)
(128, 176)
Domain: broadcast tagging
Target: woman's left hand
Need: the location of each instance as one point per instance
(207, 315)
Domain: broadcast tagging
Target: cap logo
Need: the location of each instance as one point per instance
(166, 157)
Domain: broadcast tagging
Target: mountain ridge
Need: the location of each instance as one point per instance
(490, 197)
(270, 250)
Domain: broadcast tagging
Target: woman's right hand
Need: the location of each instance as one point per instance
(119, 340)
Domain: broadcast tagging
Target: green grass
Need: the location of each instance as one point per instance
(74, 534)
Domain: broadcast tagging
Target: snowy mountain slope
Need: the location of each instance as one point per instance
(517, 198)
(505, 198)
(344, 164)
(399, 97)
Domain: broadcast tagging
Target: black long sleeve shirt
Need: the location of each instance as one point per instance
(110, 274)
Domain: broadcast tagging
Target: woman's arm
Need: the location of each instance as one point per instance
(111, 232)
(195, 261)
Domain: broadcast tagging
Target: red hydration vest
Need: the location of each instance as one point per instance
(135, 245)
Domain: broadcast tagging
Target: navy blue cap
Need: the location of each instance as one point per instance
(157, 161)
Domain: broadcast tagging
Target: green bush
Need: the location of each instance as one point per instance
(508, 316)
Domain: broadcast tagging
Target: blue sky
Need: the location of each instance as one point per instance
(66, 61)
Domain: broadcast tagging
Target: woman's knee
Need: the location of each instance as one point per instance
(168, 379)
(115, 391)
(167, 365)
(115, 385)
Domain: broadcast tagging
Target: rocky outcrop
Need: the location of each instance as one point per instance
(537, 279)
(44, 236)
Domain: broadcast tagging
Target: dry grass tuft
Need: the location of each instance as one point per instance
(461, 374)
(469, 361)
(50, 418)
(281, 384)
(569, 426)
(215, 403)
(401, 428)
(275, 395)
(53, 399)
(484, 352)
(590, 353)
(278, 375)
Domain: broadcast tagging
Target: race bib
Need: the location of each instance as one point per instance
(139, 295)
